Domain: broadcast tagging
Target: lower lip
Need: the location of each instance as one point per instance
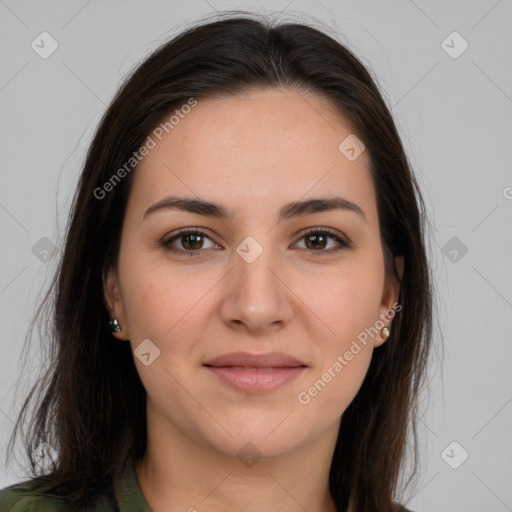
(256, 380)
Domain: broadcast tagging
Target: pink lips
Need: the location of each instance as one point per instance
(256, 373)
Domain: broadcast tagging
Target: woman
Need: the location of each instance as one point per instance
(242, 314)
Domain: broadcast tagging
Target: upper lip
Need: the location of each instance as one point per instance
(244, 359)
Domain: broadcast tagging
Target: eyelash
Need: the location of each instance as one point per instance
(343, 244)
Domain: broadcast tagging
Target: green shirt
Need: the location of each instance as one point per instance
(126, 491)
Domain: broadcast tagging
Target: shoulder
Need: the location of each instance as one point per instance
(24, 497)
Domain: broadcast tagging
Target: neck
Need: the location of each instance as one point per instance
(179, 475)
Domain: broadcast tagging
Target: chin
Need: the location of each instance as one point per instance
(261, 434)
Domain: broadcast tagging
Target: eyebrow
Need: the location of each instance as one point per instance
(288, 211)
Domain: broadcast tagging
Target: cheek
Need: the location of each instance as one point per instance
(332, 390)
(344, 302)
(349, 308)
(167, 310)
(170, 306)
(347, 304)
(158, 312)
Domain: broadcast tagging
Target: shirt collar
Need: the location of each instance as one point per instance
(128, 492)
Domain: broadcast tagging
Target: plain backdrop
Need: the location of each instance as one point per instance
(444, 69)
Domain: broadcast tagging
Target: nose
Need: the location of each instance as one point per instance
(257, 297)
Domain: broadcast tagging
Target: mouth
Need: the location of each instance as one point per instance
(256, 373)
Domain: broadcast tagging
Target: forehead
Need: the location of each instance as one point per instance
(255, 148)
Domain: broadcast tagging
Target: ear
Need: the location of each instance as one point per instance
(114, 303)
(389, 301)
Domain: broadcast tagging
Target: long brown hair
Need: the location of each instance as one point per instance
(91, 405)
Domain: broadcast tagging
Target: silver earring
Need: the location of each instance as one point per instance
(385, 333)
(114, 325)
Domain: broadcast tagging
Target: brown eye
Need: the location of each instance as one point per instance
(318, 241)
(191, 242)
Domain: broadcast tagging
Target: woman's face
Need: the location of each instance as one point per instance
(206, 325)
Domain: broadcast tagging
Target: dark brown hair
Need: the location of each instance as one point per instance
(91, 402)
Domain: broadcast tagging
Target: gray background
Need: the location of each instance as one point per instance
(454, 116)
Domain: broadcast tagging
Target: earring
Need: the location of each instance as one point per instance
(114, 325)
(385, 333)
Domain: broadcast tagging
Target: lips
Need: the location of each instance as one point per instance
(244, 359)
(255, 373)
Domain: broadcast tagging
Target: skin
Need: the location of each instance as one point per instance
(252, 153)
